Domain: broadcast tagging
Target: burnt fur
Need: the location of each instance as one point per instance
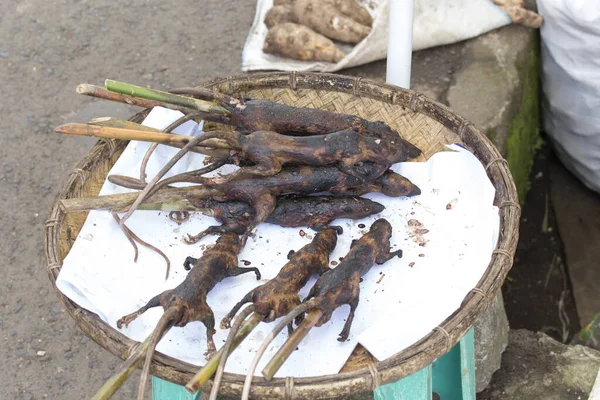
(279, 296)
(341, 285)
(315, 212)
(253, 115)
(189, 297)
(270, 151)
(261, 192)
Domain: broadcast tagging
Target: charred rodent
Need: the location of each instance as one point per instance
(334, 288)
(341, 285)
(280, 295)
(189, 297)
(252, 115)
(346, 149)
(315, 212)
(261, 192)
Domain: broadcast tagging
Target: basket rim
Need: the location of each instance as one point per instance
(433, 345)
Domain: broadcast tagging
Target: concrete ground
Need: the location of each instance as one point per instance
(50, 47)
(536, 366)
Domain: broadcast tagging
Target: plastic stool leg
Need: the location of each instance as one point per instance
(467, 365)
(454, 373)
(414, 387)
(165, 390)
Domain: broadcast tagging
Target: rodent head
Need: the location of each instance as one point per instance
(382, 226)
(395, 185)
(328, 238)
(369, 207)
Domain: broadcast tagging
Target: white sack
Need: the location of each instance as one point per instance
(571, 84)
(436, 22)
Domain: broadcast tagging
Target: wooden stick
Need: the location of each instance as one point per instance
(104, 94)
(142, 135)
(227, 349)
(285, 321)
(124, 124)
(120, 376)
(165, 97)
(182, 205)
(165, 323)
(123, 200)
(211, 366)
(121, 124)
(291, 343)
(123, 134)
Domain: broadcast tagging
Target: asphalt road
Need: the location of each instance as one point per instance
(46, 49)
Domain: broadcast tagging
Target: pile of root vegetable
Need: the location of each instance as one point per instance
(288, 158)
(309, 29)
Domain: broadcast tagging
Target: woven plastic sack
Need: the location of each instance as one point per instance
(436, 22)
(571, 84)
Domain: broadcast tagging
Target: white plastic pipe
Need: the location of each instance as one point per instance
(399, 54)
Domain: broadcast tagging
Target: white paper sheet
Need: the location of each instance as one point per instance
(401, 301)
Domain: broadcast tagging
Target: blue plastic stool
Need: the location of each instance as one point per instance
(452, 377)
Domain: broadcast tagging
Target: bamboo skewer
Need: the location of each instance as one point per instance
(183, 205)
(104, 94)
(113, 384)
(116, 202)
(165, 97)
(209, 369)
(212, 147)
(120, 133)
(124, 124)
(111, 122)
(285, 321)
(291, 343)
(227, 349)
(142, 135)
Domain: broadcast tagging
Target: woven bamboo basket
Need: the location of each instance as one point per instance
(425, 123)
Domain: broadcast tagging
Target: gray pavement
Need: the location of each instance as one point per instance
(46, 49)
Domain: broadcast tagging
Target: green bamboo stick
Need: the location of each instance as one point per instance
(127, 368)
(291, 343)
(211, 366)
(183, 205)
(165, 97)
(101, 93)
(111, 122)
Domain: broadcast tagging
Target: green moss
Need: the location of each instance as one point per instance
(523, 139)
(491, 134)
